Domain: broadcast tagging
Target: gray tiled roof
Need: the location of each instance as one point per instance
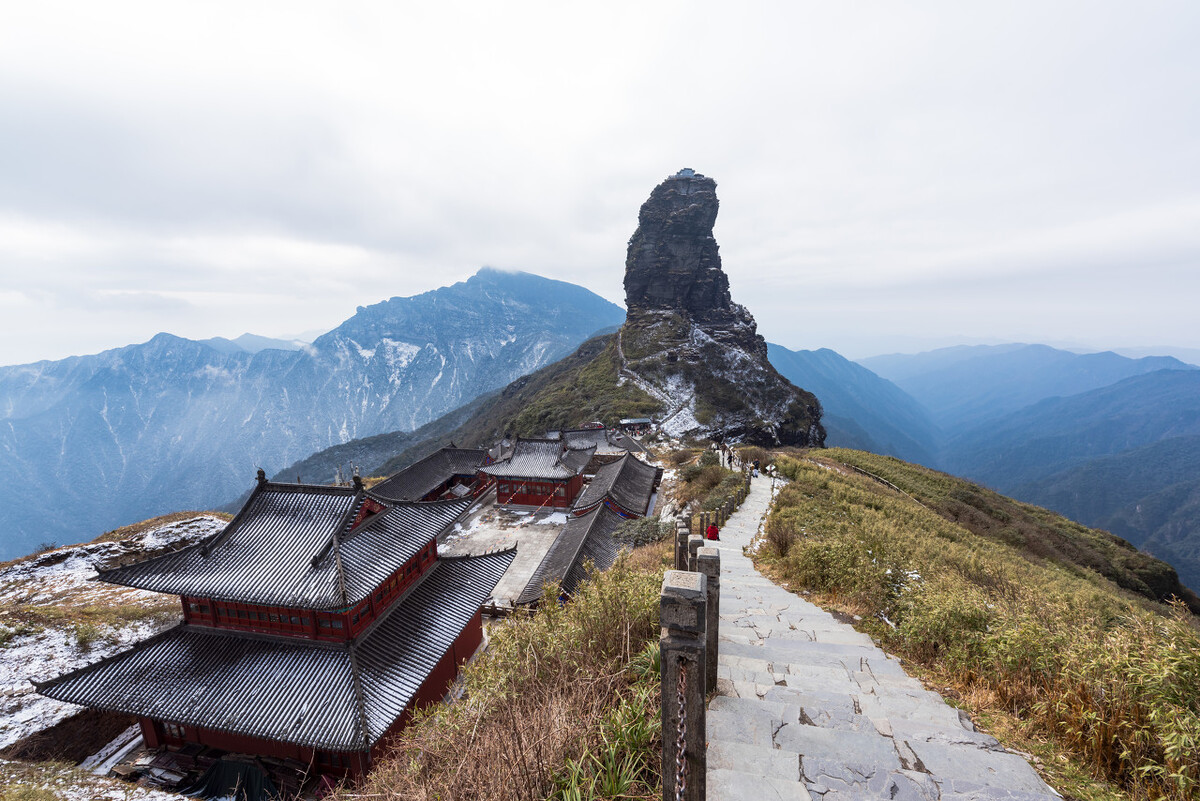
(418, 480)
(282, 549)
(289, 689)
(586, 537)
(627, 443)
(541, 458)
(597, 438)
(628, 482)
(607, 441)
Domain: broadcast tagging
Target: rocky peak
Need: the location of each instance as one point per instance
(686, 343)
(673, 263)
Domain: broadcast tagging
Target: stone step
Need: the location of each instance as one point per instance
(757, 760)
(736, 785)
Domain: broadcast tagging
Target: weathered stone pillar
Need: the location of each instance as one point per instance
(682, 532)
(695, 543)
(708, 562)
(681, 646)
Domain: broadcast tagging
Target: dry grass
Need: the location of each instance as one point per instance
(537, 718)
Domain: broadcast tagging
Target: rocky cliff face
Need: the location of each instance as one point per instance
(688, 344)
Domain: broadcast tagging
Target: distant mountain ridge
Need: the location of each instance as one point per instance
(1057, 433)
(253, 343)
(965, 386)
(92, 442)
(862, 410)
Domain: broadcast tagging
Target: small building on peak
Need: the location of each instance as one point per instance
(539, 473)
(315, 624)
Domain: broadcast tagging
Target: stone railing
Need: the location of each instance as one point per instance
(689, 609)
(701, 520)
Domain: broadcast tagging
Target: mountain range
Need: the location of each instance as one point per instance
(93, 442)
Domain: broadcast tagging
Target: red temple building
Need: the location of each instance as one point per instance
(539, 472)
(314, 625)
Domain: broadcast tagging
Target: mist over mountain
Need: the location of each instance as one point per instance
(1105, 439)
(965, 386)
(252, 343)
(92, 442)
(1148, 495)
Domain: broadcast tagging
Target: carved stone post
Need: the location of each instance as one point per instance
(695, 543)
(708, 562)
(682, 532)
(681, 646)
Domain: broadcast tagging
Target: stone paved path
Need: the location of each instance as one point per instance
(809, 708)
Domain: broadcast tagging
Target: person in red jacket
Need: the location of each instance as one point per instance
(711, 532)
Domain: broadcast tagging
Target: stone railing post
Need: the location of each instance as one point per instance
(708, 562)
(681, 646)
(682, 531)
(695, 543)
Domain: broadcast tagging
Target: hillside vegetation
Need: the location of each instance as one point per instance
(1149, 495)
(1020, 610)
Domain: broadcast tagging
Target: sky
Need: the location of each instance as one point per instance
(892, 176)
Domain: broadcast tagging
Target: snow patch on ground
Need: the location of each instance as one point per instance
(399, 354)
(43, 656)
(49, 576)
(682, 399)
(62, 579)
(69, 784)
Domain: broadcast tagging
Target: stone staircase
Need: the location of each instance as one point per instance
(809, 708)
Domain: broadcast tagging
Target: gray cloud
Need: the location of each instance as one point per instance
(925, 171)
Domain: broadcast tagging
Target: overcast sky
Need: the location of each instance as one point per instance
(892, 176)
